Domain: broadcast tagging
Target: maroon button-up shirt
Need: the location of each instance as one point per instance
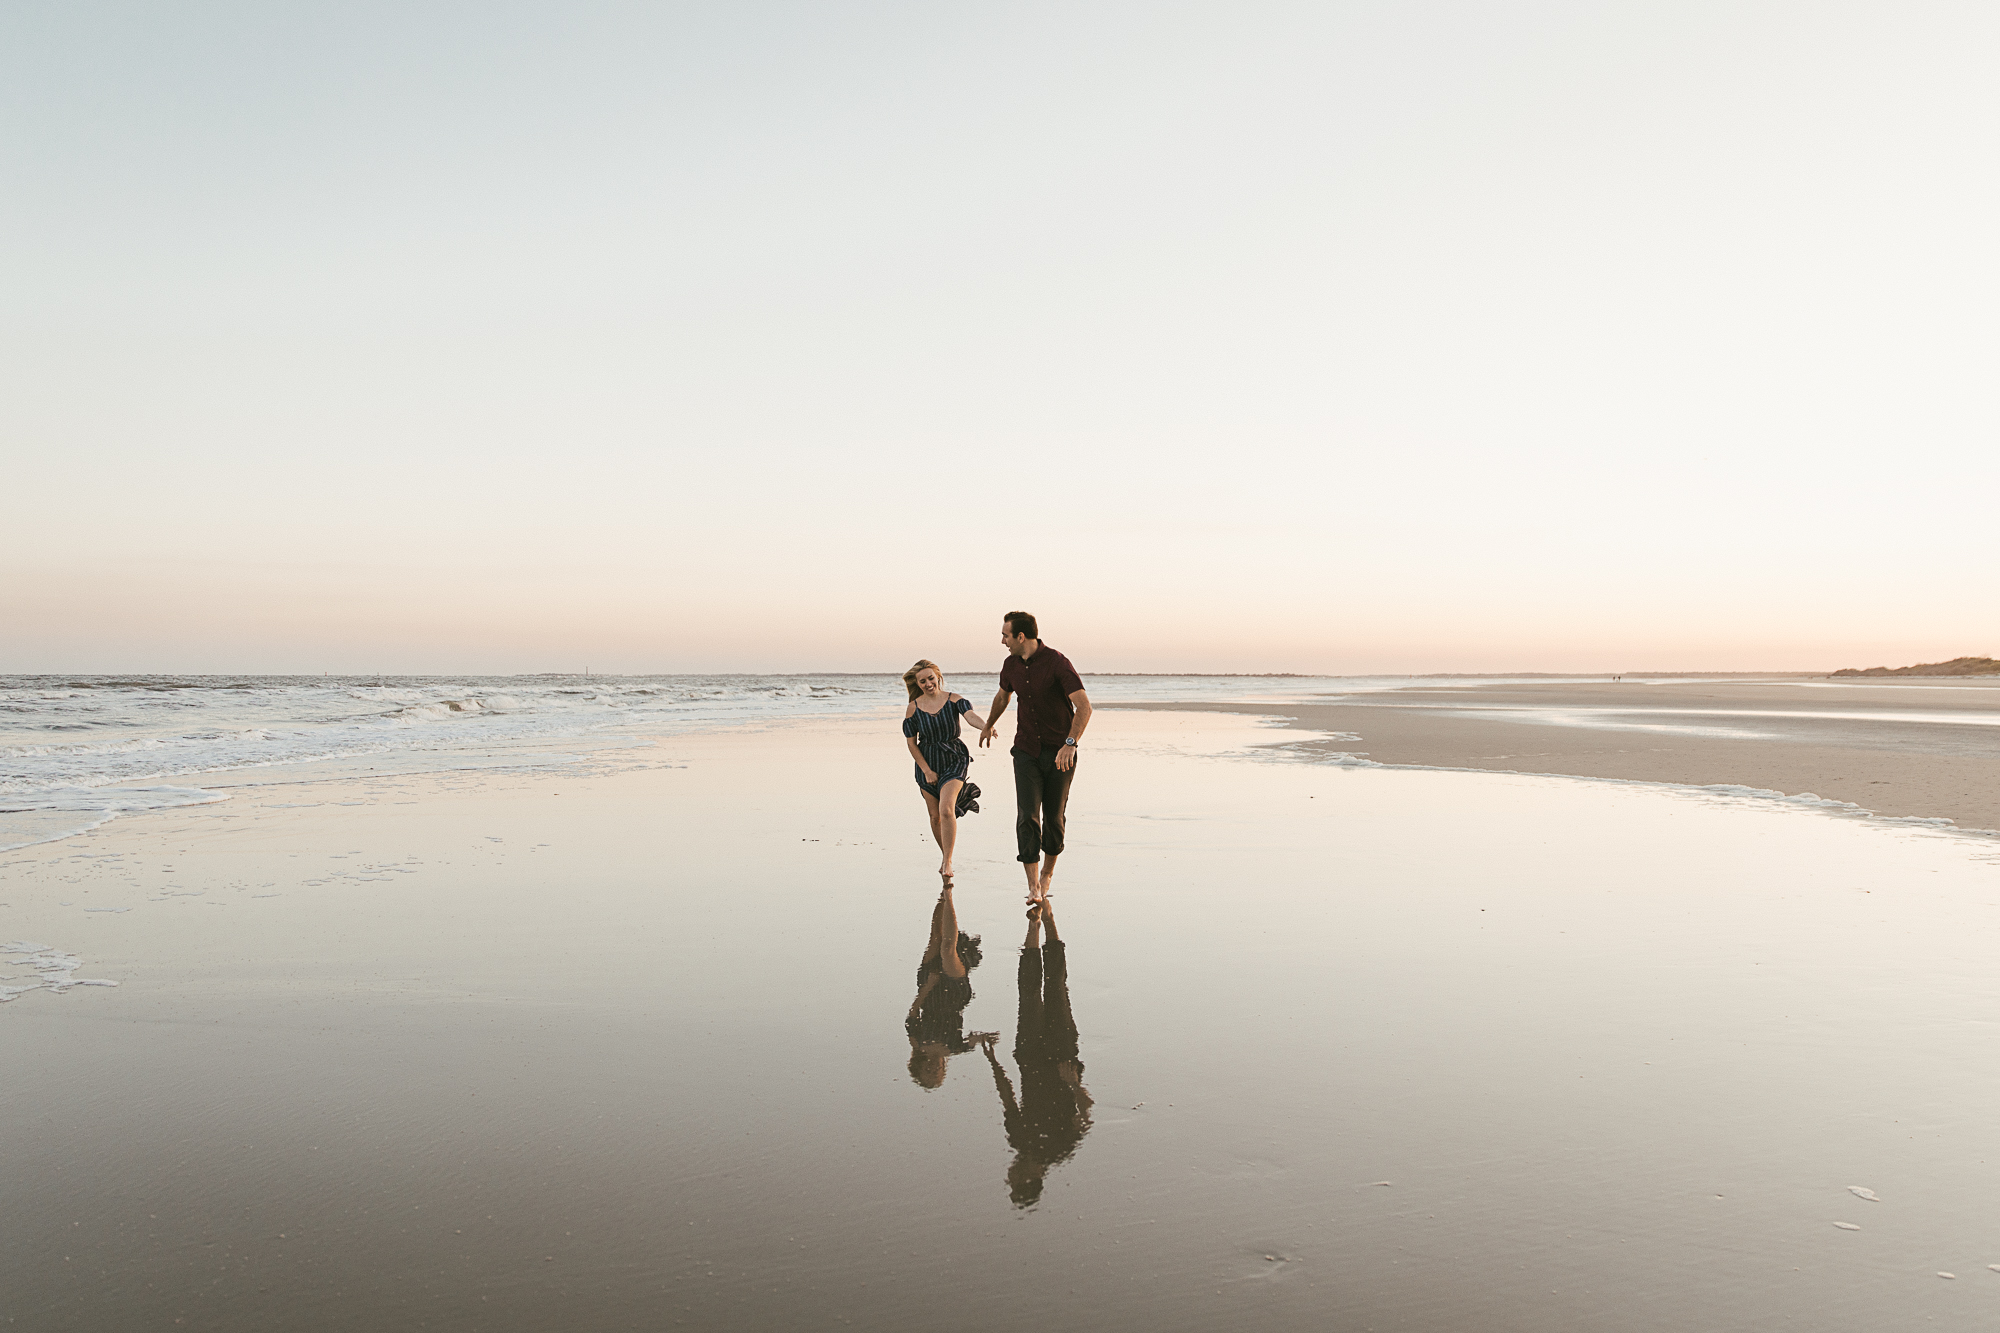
(1043, 683)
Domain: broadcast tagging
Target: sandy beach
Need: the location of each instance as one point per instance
(1919, 749)
(625, 1045)
(494, 487)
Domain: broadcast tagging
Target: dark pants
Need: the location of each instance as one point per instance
(1041, 796)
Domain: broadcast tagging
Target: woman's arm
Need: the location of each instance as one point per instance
(917, 1005)
(910, 739)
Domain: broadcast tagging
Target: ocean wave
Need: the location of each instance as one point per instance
(67, 742)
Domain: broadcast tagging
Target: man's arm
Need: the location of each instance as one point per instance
(998, 710)
(1066, 756)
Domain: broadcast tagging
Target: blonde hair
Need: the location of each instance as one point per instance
(910, 676)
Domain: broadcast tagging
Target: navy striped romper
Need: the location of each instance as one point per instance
(937, 739)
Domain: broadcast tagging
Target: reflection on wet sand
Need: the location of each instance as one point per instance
(935, 1023)
(1052, 1114)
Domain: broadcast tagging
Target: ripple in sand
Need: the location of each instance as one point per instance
(1847, 1226)
(1863, 1192)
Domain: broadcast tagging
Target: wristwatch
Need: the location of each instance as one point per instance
(1070, 741)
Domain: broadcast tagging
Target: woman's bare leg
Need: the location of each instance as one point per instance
(931, 804)
(948, 957)
(947, 822)
(932, 946)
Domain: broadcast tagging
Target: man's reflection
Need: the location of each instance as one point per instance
(1053, 1114)
(937, 1016)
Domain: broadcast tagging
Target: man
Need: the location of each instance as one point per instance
(1054, 712)
(1052, 1115)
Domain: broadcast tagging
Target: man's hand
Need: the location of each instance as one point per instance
(986, 736)
(1065, 758)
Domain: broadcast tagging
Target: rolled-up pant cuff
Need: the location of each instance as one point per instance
(1041, 804)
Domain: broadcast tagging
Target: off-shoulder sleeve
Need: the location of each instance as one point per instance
(910, 725)
(963, 705)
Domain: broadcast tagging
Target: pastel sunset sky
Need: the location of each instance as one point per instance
(771, 337)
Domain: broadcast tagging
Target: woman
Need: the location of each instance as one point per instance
(935, 1023)
(930, 729)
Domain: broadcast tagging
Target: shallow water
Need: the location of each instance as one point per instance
(1359, 1047)
(78, 751)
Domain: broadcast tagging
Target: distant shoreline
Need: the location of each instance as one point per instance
(1957, 666)
(1907, 748)
(1987, 668)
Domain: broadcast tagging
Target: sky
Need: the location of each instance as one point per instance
(1318, 337)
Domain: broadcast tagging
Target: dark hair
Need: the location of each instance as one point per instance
(1023, 623)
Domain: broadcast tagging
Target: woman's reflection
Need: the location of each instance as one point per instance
(937, 1015)
(1053, 1114)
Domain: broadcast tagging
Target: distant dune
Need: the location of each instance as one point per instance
(1958, 666)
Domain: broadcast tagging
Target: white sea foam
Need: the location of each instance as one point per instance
(75, 752)
(50, 969)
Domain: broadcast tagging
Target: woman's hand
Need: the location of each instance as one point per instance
(930, 777)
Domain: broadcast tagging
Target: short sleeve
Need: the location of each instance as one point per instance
(910, 725)
(963, 706)
(1066, 678)
(1007, 669)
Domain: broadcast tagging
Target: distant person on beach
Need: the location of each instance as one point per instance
(1049, 1120)
(937, 1016)
(1054, 711)
(930, 729)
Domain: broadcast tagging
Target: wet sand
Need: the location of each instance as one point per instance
(1927, 749)
(1359, 1048)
